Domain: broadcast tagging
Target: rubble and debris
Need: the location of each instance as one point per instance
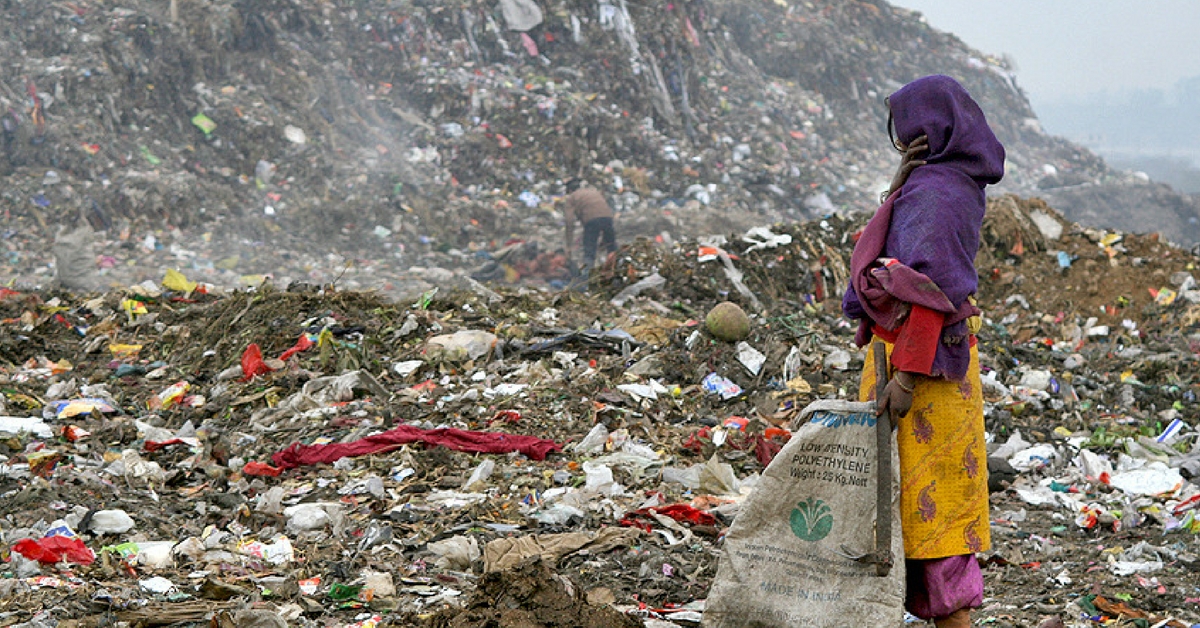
(614, 443)
(250, 374)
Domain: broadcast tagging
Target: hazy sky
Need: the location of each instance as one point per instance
(1067, 48)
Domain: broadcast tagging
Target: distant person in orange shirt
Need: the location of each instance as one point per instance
(587, 205)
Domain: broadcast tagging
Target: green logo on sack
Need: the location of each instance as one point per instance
(811, 520)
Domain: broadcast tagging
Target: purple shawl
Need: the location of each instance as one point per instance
(935, 218)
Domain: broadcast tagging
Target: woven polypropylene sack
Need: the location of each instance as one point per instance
(787, 560)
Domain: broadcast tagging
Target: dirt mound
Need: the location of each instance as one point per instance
(398, 129)
(530, 595)
(150, 401)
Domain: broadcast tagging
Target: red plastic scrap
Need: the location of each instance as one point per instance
(260, 468)
(152, 445)
(765, 449)
(695, 442)
(55, 549)
(252, 363)
(682, 513)
(508, 416)
(303, 344)
(451, 438)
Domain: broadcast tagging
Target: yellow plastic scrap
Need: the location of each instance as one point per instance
(124, 352)
(204, 123)
(133, 308)
(175, 280)
(799, 385)
(1165, 296)
(170, 396)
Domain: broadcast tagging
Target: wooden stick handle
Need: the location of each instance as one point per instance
(883, 469)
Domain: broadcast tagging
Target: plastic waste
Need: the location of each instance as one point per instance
(838, 360)
(59, 544)
(270, 501)
(408, 367)
(295, 134)
(594, 441)
(316, 516)
(1155, 478)
(719, 385)
(264, 171)
(17, 425)
(717, 477)
(379, 583)
(652, 282)
(1034, 457)
(460, 346)
(689, 477)
(763, 238)
(557, 514)
(480, 475)
(599, 479)
(136, 470)
(1036, 379)
(69, 408)
(278, 552)
(456, 552)
(751, 358)
(155, 554)
(110, 522)
(640, 391)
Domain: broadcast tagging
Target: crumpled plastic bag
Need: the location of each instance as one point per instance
(456, 552)
(520, 15)
(55, 549)
(135, 469)
(463, 345)
(717, 478)
(75, 258)
(763, 238)
(314, 516)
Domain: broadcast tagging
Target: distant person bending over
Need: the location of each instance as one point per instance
(911, 284)
(587, 205)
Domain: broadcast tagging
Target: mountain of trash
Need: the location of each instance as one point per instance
(393, 128)
(172, 453)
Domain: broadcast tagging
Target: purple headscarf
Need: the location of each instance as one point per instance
(937, 215)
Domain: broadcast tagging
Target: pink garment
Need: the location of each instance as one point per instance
(530, 45)
(938, 587)
(456, 439)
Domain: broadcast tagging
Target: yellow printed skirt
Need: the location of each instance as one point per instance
(943, 464)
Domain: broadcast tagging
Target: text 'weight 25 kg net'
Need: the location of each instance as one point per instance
(790, 556)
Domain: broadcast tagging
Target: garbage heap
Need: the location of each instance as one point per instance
(284, 130)
(173, 453)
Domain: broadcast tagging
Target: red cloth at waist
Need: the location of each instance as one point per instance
(915, 342)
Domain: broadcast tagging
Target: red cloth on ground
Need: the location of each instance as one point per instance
(682, 513)
(54, 549)
(765, 449)
(451, 438)
(252, 363)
